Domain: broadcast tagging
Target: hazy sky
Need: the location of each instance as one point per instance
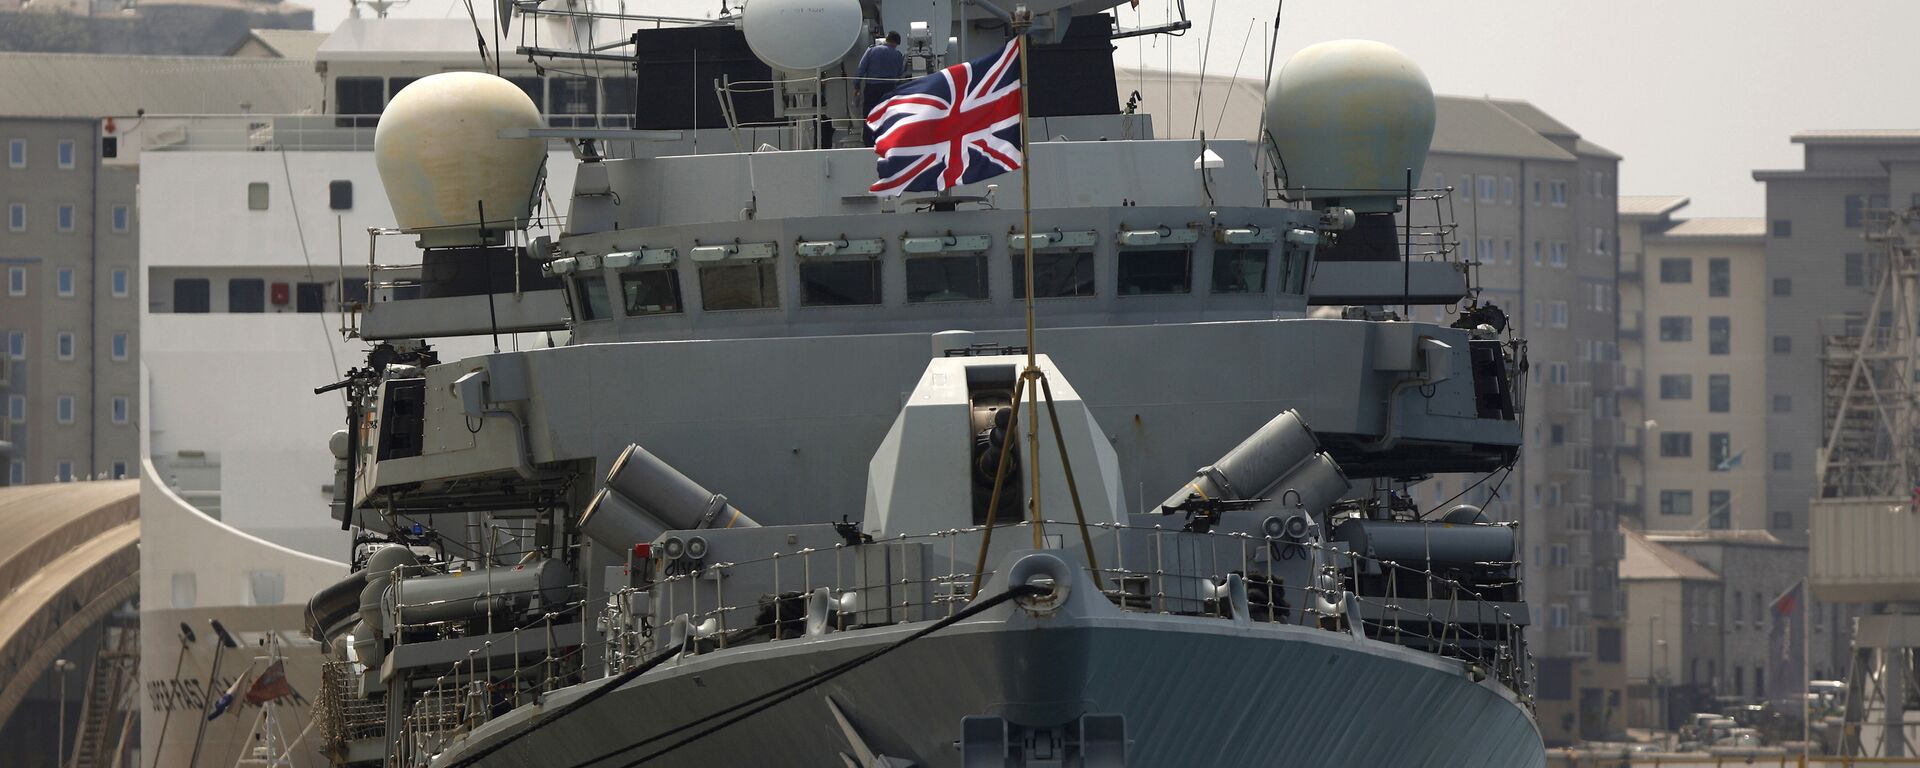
(1695, 94)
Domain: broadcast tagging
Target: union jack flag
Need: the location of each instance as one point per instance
(956, 126)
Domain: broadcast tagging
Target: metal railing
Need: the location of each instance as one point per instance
(1442, 616)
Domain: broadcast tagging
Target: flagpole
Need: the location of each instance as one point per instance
(1806, 673)
(1022, 24)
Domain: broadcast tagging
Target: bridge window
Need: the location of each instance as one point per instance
(192, 294)
(739, 286)
(1240, 270)
(947, 278)
(248, 294)
(1056, 274)
(1155, 271)
(361, 96)
(590, 294)
(575, 102)
(651, 292)
(839, 282)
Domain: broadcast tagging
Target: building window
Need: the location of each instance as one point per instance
(340, 195)
(1536, 253)
(359, 96)
(17, 217)
(64, 474)
(1782, 461)
(839, 282)
(1486, 189)
(192, 295)
(651, 292)
(1506, 251)
(63, 152)
(1559, 254)
(1486, 250)
(590, 292)
(17, 472)
(1676, 502)
(17, 409)
(1783, 403)
(1856, 270)
(120, 346)
(1720, 509)
(573, 102)
(1719, 335)
(257, 196)
(1676, 445)
(1782, 520)
(1676, 328)
(246, 294)
(1240, 270)
(1719, 393)
(1676, 386)
(1863, 209)
(120, 286)
(17, 345)
(122, 218)
(1782, 228)
(1783, 286)
(1557, 192)
(16, 281)
(1055, 274)
(311, 297)
(739, 286)
(63, 281)
(1719, 278)
(120, 410)
(1676, 270)
(63, 345)
(1719, 451)
(1556, 434)
(1506, 189)
(16, 153)
(1559, 311)
(63, 218)
(63, 409)
(1599, 240)
(1147, 272)
(1782, 345)
(1536, 191)
(119, 470)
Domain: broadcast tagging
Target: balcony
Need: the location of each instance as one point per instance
(1631, 324)
(1632, 436)
(1630, 266)
(1628, 500)
(1628, 381)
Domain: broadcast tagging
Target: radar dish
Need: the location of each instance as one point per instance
(802, 35)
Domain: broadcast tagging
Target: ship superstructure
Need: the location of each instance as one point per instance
(772, 501)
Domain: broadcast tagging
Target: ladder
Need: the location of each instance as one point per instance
(108, 696)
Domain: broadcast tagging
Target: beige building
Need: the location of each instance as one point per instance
(1673, 639)
(1693, 319)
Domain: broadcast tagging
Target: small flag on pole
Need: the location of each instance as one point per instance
(271, 684)
(956, 126)
(226, 699)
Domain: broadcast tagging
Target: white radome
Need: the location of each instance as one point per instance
(1349, 116)
(442, 161)
(802, 35)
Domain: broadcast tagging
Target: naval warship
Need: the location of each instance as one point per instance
(819, 477)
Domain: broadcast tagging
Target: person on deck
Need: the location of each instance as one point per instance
(880, 70)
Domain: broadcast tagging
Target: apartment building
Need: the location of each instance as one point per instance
(69, 313)
(1535, 206)
(1820, 274)
(1693, 316)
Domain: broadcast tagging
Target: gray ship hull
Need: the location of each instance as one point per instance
(1194, 691)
